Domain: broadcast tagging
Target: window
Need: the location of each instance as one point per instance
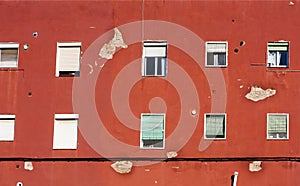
(68, 59)
(9, 55)
(277, 126)
(7, 127)
(214, 126)
(65, 131)
(154, 58)
(152, 131)
(278, 54)
(216, 54)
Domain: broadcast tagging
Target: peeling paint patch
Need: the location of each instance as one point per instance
(171, 154)
(258, 93)
(28, 165)
(91, 69)
(122, 167)
(109, 49)
(291, 3)
(255, 166)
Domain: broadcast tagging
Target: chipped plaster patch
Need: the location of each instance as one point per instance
(255, 166)
(28, 165)
(258, 93)
(109, 49)
(91, 69)
(122, 167)
(171, 154)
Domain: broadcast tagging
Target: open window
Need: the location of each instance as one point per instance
(154, 58)
(216, 54)
(215, 126)
(9, 55)
(7, 127)
(68, 59)
(278, 54)
(65, 131)
(277, 126)
(152, 131)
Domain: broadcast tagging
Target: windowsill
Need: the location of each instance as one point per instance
(285, 139)
(277, 67)
(152, 148)
(216, 66)
(218, 139)
(153, 76)
(8, 68)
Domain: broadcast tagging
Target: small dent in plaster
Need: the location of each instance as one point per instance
(25, 46)
(242, 43)
(35, 34)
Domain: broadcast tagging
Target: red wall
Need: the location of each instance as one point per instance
(256, 23)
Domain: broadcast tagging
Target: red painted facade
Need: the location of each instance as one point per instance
(254, 22)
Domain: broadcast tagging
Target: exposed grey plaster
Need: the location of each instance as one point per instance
(28, 165)
(109, 49)
(255, 166)
(171, 154)
(258, 93)
(122, 167)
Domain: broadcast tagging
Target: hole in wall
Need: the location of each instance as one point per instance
(25, 46)
(35, 34)
(17, 166)
(29, 94)
(236, 50)
(233, 20)
(19, 184)
(242, 43)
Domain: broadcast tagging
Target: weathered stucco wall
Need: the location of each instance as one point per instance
(34, 94)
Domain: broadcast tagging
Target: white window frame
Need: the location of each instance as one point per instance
(287, 126)
(225, 123)
(277, 47)
(9, 64)
(155, 47)
(59, 135)
(7, 128)
(71, 72)
(164, 133)
(206, 53)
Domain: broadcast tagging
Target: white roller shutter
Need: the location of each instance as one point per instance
(68, 57)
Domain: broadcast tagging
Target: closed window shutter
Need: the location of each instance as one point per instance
(215, 125)
(216, 47)
(69, 59)
(278, 46)
(155, 51)
(65, 134)
(152, 127)
(9, 55)
(7, 129)
(277, 124)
